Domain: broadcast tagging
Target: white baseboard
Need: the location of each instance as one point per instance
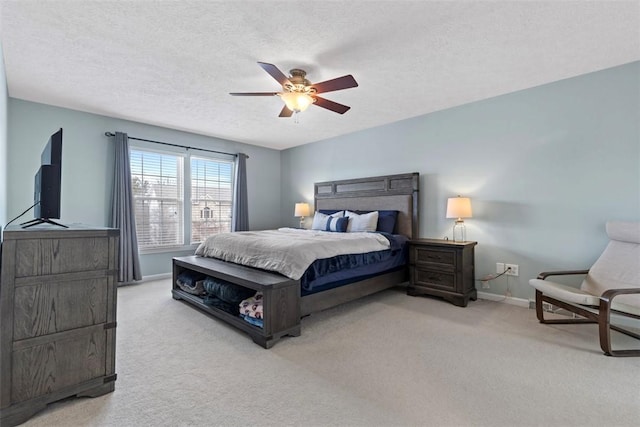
(149, 278)
(153, 277)
(520, 302)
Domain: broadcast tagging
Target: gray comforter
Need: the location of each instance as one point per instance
(288, 251)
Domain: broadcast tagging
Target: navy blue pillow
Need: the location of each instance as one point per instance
(337, 224)
(386, 220)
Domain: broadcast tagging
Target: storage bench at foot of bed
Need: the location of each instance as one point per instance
(281, 297)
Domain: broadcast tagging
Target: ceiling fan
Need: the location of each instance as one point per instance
(298, 92)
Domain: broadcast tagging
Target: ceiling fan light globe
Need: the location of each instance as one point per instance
(296, 101)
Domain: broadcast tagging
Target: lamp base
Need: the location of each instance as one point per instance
(459, 231)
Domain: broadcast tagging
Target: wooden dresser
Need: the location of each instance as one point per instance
(442, 268)
(58, 316)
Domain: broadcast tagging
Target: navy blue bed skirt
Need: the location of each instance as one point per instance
(329, 273)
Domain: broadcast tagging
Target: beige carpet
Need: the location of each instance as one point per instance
(389, 359)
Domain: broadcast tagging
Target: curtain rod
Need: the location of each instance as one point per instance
(176, 145)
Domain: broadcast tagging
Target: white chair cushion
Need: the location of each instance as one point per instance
(624, 231)
(564, 292)
(578, 296)
(619, 265)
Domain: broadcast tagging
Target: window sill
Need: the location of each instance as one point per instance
(184, 248)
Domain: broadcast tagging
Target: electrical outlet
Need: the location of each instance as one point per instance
(512, 269)
(499, 267)
(485, 284)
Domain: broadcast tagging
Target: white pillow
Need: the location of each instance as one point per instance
(362, 222)
(320, 220)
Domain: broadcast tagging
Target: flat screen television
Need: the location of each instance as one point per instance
(48, 183)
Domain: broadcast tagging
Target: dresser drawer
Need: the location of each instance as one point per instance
(48, 367)
(50, 307)
(40, 257)
(434, 279)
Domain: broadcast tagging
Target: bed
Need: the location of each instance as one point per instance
(284, 301)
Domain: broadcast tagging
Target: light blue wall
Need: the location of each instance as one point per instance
(3, 142)
(544, 168)
(87, 166)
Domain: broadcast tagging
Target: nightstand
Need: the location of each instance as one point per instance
(442, 268)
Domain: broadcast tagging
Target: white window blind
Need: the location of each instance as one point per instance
(158, 192)
(211, 197)
(179, 198)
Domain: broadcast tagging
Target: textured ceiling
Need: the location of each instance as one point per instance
(173, 63)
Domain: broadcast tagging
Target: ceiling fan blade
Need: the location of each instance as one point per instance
(253, 93)
(330, 105)
(275, 73)
(285, 112)
(344, 82)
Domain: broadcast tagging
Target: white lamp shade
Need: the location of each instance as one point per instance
(302, 209)
(459, 207)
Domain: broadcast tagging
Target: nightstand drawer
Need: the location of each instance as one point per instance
(434, 279)
(422, 255)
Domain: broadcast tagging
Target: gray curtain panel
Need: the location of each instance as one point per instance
(123, 215)
(240, 212)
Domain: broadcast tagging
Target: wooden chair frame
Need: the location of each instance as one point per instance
(602, 317)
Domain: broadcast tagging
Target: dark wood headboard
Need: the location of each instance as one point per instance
(389, 192)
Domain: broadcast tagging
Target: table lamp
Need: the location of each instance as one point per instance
(459, 207)
(301, 210)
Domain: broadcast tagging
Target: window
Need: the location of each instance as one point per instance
(211, 191)
(157, 182)
(165, 219)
